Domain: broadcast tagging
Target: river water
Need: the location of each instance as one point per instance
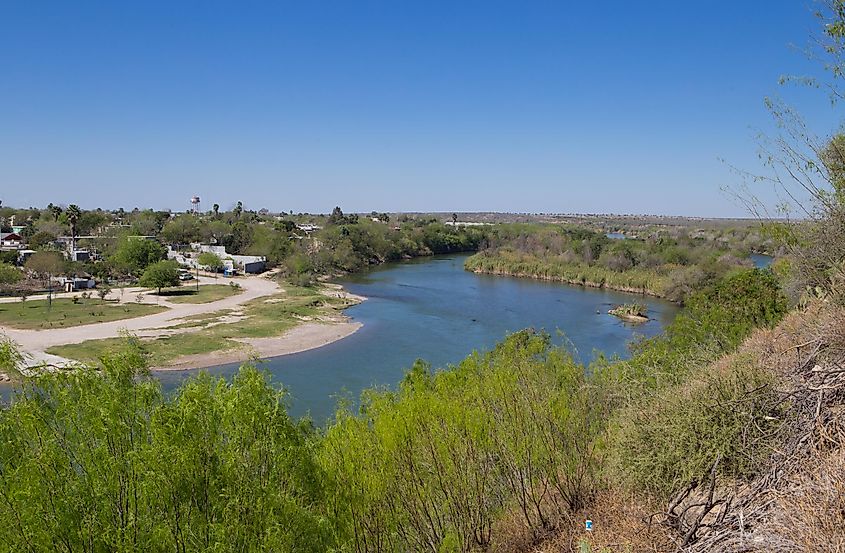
(435, 310)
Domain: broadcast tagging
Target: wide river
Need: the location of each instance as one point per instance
(433, 309)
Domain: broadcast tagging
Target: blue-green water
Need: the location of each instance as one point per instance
(434, 310)
(761, 261)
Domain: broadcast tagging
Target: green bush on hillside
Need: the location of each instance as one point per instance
(101, 461)
(675, 438)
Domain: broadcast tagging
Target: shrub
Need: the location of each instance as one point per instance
(9, 274)
(674, 439)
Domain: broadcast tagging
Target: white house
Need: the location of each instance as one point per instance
(11, 241)
(247, 263)
(72, 284)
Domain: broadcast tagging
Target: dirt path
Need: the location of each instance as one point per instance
(33, 343)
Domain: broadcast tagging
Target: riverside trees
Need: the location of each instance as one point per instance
(102, 462)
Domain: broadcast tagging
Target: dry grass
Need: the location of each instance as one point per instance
(796, 504)
(622, 522)
(809, 513)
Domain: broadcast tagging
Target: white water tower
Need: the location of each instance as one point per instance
(195, 204)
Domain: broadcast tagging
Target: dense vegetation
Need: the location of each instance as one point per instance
(329, 245)
(101, 460)
(669, 261)
(495, 453)
(664, 264)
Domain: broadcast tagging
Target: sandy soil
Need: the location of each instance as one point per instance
(301, 338)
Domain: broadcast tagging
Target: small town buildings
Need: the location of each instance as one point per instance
(23, 255)
(11, 241)
(76, 283)
(252, 264)
(80, 255)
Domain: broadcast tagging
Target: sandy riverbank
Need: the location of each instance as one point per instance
(304, 337)
(298, 339)
(310, 334)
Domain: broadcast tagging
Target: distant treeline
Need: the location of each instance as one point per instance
(303, 246)
(663, 261)
(663, 264)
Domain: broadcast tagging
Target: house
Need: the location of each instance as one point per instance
(23, 255)
(252, 264)
(75, 283)
(308, 228)
(80, 255)
(11, 241)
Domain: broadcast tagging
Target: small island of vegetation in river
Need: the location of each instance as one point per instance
(631, 312)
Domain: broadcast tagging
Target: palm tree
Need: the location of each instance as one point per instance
(73, 214)
(239, 209)
(55, 211)
(215, 208)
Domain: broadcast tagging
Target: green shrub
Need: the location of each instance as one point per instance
(435, 463)
(675, 438)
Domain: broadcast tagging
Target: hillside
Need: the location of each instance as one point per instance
(794, 500)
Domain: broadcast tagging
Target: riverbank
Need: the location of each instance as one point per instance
(261, 320)
(427, 308)
(604, 285)
(304, 337)
(633, 281)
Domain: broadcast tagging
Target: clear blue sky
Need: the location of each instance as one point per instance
(394, 106)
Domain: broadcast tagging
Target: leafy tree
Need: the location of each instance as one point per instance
(41, 239)
(10, 357)
(136, 254)
(9, 274)
(210, 261)
(337, 217)
(90, 221)
(55, 211)
(181, 230)
(161, 274)
(215, 208)
(10, 257)
(45, 264)
(239, 238)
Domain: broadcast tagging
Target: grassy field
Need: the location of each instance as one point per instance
(207, 293)
(161, 350)
(36, 314)
(219, 331)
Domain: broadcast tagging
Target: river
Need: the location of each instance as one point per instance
(435, 310)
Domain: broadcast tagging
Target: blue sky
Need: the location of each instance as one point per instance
(622, 107)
